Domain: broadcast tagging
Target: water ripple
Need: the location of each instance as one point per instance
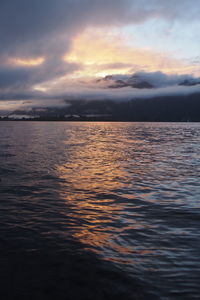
(127, 192)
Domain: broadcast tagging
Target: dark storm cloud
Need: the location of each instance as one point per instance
(45, 28)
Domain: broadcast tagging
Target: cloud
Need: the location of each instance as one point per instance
(158, 79)
(99, 89)
(125, 94)
(31, 29)
(37, 18)
(21, 79)
(102, 53)
(63, 98)
(39, 105)
(58, 97)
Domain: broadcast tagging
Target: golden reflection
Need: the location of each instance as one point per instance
(92, 182)
(89, 179)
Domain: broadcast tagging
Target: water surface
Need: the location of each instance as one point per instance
(127, 192)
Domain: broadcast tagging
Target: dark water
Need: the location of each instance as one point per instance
(111, 208)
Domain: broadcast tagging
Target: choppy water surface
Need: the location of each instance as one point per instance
(130, 192)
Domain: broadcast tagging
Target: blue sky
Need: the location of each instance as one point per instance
(177, 38)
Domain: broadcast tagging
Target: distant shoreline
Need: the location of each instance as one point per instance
(92, 120)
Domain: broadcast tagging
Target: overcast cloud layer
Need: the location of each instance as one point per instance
(46, 28)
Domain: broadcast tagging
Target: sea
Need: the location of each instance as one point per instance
(99, 210)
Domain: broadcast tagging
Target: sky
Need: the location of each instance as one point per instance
(53, 49)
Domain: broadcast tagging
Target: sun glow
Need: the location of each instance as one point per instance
(101, 53)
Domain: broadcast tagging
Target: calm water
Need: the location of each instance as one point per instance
(128, 192)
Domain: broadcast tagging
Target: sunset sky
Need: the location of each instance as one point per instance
(51, 48)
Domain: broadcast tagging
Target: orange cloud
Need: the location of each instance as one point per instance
(31, 62)
(101, 53)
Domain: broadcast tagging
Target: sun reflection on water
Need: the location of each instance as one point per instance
(94, 184)
(116, 181)
(88, 182)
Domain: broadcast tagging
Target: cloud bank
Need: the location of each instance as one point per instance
(42, 31)
(165, 85)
